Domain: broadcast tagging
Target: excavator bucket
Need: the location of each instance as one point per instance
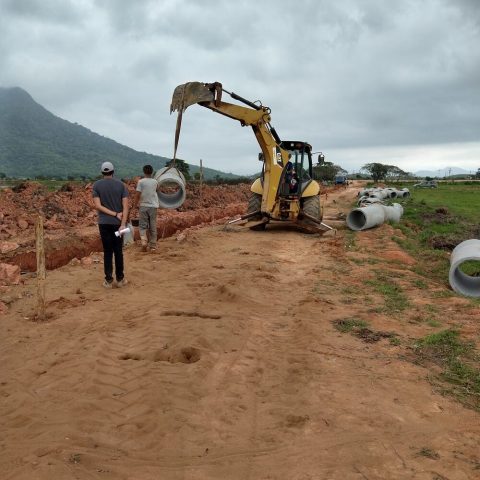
(190, 93)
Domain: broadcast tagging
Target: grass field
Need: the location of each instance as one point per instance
(461, 199)
(436, 220)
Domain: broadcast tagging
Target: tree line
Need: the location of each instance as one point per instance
(326, 171)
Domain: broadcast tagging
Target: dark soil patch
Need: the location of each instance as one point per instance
(448, 241)
(440, 216)
(180, 355)
(370, 336)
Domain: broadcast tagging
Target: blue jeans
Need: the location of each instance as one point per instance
(112, 247)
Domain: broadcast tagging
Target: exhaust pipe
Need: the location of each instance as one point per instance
(464, 284)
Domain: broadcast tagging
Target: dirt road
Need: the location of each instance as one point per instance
(221, 360)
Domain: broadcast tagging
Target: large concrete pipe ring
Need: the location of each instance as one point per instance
(170, 177)
(368, 201)
(366, 192)
(372, 215)
(384, 193)
(393, 213)
(365, 217)
(392, 193)
(403, 193)
(462, 283)
(362, 199)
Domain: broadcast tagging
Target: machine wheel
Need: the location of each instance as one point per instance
(254, 205)
(311, 206)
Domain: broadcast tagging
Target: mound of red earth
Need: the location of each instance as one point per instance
(70, 219)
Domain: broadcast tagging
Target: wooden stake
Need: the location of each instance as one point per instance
(41, 275)
(201, 182)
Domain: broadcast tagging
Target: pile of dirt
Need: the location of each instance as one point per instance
(72, 205)
(70, 218)
(20, 206)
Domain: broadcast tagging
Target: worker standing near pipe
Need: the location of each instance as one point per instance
(147, 199)
(110, 197)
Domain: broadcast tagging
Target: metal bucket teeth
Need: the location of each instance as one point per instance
(188, 94)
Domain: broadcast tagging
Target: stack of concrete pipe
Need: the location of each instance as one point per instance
(367, 194)
(467, 285)
(171, 177)
(364, 201)
(373, 215)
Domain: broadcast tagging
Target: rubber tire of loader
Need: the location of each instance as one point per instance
(311, 206)
(254, 205)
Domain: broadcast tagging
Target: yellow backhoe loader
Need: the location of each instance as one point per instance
(285, 191)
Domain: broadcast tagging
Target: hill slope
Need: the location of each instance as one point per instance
(35, 142)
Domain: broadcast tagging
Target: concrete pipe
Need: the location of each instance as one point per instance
(385, 193)
(393, 213)
(368, 201)
(365, 192)
(172, 179)
(372, 215)
(379, 195)
(392, 193)
(389, 192)
(361, 200)
(462, 283)
(403, 193)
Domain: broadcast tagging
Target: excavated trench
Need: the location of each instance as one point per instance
(60, 251)
(70, 219)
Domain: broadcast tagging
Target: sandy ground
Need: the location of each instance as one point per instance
(220, 361)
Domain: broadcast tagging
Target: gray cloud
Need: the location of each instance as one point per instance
(342, 75)
(48, 11)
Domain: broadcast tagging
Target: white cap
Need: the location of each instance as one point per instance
(107, 167)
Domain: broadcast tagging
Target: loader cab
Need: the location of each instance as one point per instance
(298, 172)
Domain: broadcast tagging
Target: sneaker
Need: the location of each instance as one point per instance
(153, 249)
(107, 284)
(122, 283)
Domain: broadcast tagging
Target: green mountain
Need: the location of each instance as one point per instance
(34, 142)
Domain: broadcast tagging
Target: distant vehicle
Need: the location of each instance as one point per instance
(340, 180)
(426, 184)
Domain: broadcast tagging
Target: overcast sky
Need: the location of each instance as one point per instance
(395, 82)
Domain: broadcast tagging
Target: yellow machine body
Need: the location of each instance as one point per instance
(275, 204)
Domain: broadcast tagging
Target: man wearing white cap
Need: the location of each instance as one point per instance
(110, 197)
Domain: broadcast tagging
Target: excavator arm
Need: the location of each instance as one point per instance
(253, 115)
